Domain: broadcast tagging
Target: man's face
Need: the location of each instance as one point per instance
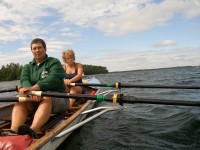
(38, 52)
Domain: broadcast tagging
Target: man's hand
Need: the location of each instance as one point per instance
(22, 92)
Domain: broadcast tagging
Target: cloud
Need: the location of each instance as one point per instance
(21, 19)
(17, 57)
(55, 46)
(74, 35)
(165, 43)
(119, 61)
(137, 19)
(147, 59)
(23, 49)
(23, 55)
(59, 22)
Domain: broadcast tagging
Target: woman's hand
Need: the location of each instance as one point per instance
(67, 82)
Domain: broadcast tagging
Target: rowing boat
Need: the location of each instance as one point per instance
(59, 127)
(54, 132)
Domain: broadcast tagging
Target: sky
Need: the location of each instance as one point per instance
(121, 35)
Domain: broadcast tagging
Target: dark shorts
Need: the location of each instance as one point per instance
(59, 105)
(83, 90)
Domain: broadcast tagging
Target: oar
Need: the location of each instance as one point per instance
(115, 99)
(118, 98)
(14, 99)
(10, 89)
(120, 85)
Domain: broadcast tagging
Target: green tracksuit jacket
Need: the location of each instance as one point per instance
(48, 75)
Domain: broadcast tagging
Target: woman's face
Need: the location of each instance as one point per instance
(39, 52)
(69, 59)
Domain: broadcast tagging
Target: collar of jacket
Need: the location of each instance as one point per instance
(33, 62)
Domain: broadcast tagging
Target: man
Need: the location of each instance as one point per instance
(42, 74)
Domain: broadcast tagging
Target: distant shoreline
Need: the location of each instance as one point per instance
(156, 69)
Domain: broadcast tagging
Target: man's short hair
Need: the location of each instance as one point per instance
(38, 40)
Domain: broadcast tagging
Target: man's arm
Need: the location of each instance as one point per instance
(54, 78)
(25, 77)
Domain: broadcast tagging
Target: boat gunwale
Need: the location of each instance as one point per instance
(6, 106)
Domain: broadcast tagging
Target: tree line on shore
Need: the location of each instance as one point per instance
(12, 71)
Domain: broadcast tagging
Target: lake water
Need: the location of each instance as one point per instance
(143, 126)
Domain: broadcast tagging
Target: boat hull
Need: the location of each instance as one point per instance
(49, 140)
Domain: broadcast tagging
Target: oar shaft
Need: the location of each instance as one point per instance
(14, 99)
(9, 90)
(64, 95)
(119, 85)
(133, 100)
(8, 99)
(124, 99)
(92, 84)
(61, 95)
(161, 86)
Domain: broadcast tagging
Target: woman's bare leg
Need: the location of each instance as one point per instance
(74, 90)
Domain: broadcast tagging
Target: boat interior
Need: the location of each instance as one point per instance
(5, 121)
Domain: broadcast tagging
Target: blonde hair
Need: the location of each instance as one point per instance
(68, 53)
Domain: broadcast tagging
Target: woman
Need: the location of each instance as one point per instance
(74, 73)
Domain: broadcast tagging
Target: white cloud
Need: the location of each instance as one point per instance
(121, 61)
(147, 59)
(20, 19)
(23, 49)
(136, 19)
(54, 46)
(61, 19)
(17, 57)
(75, 35)
(165, 43)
